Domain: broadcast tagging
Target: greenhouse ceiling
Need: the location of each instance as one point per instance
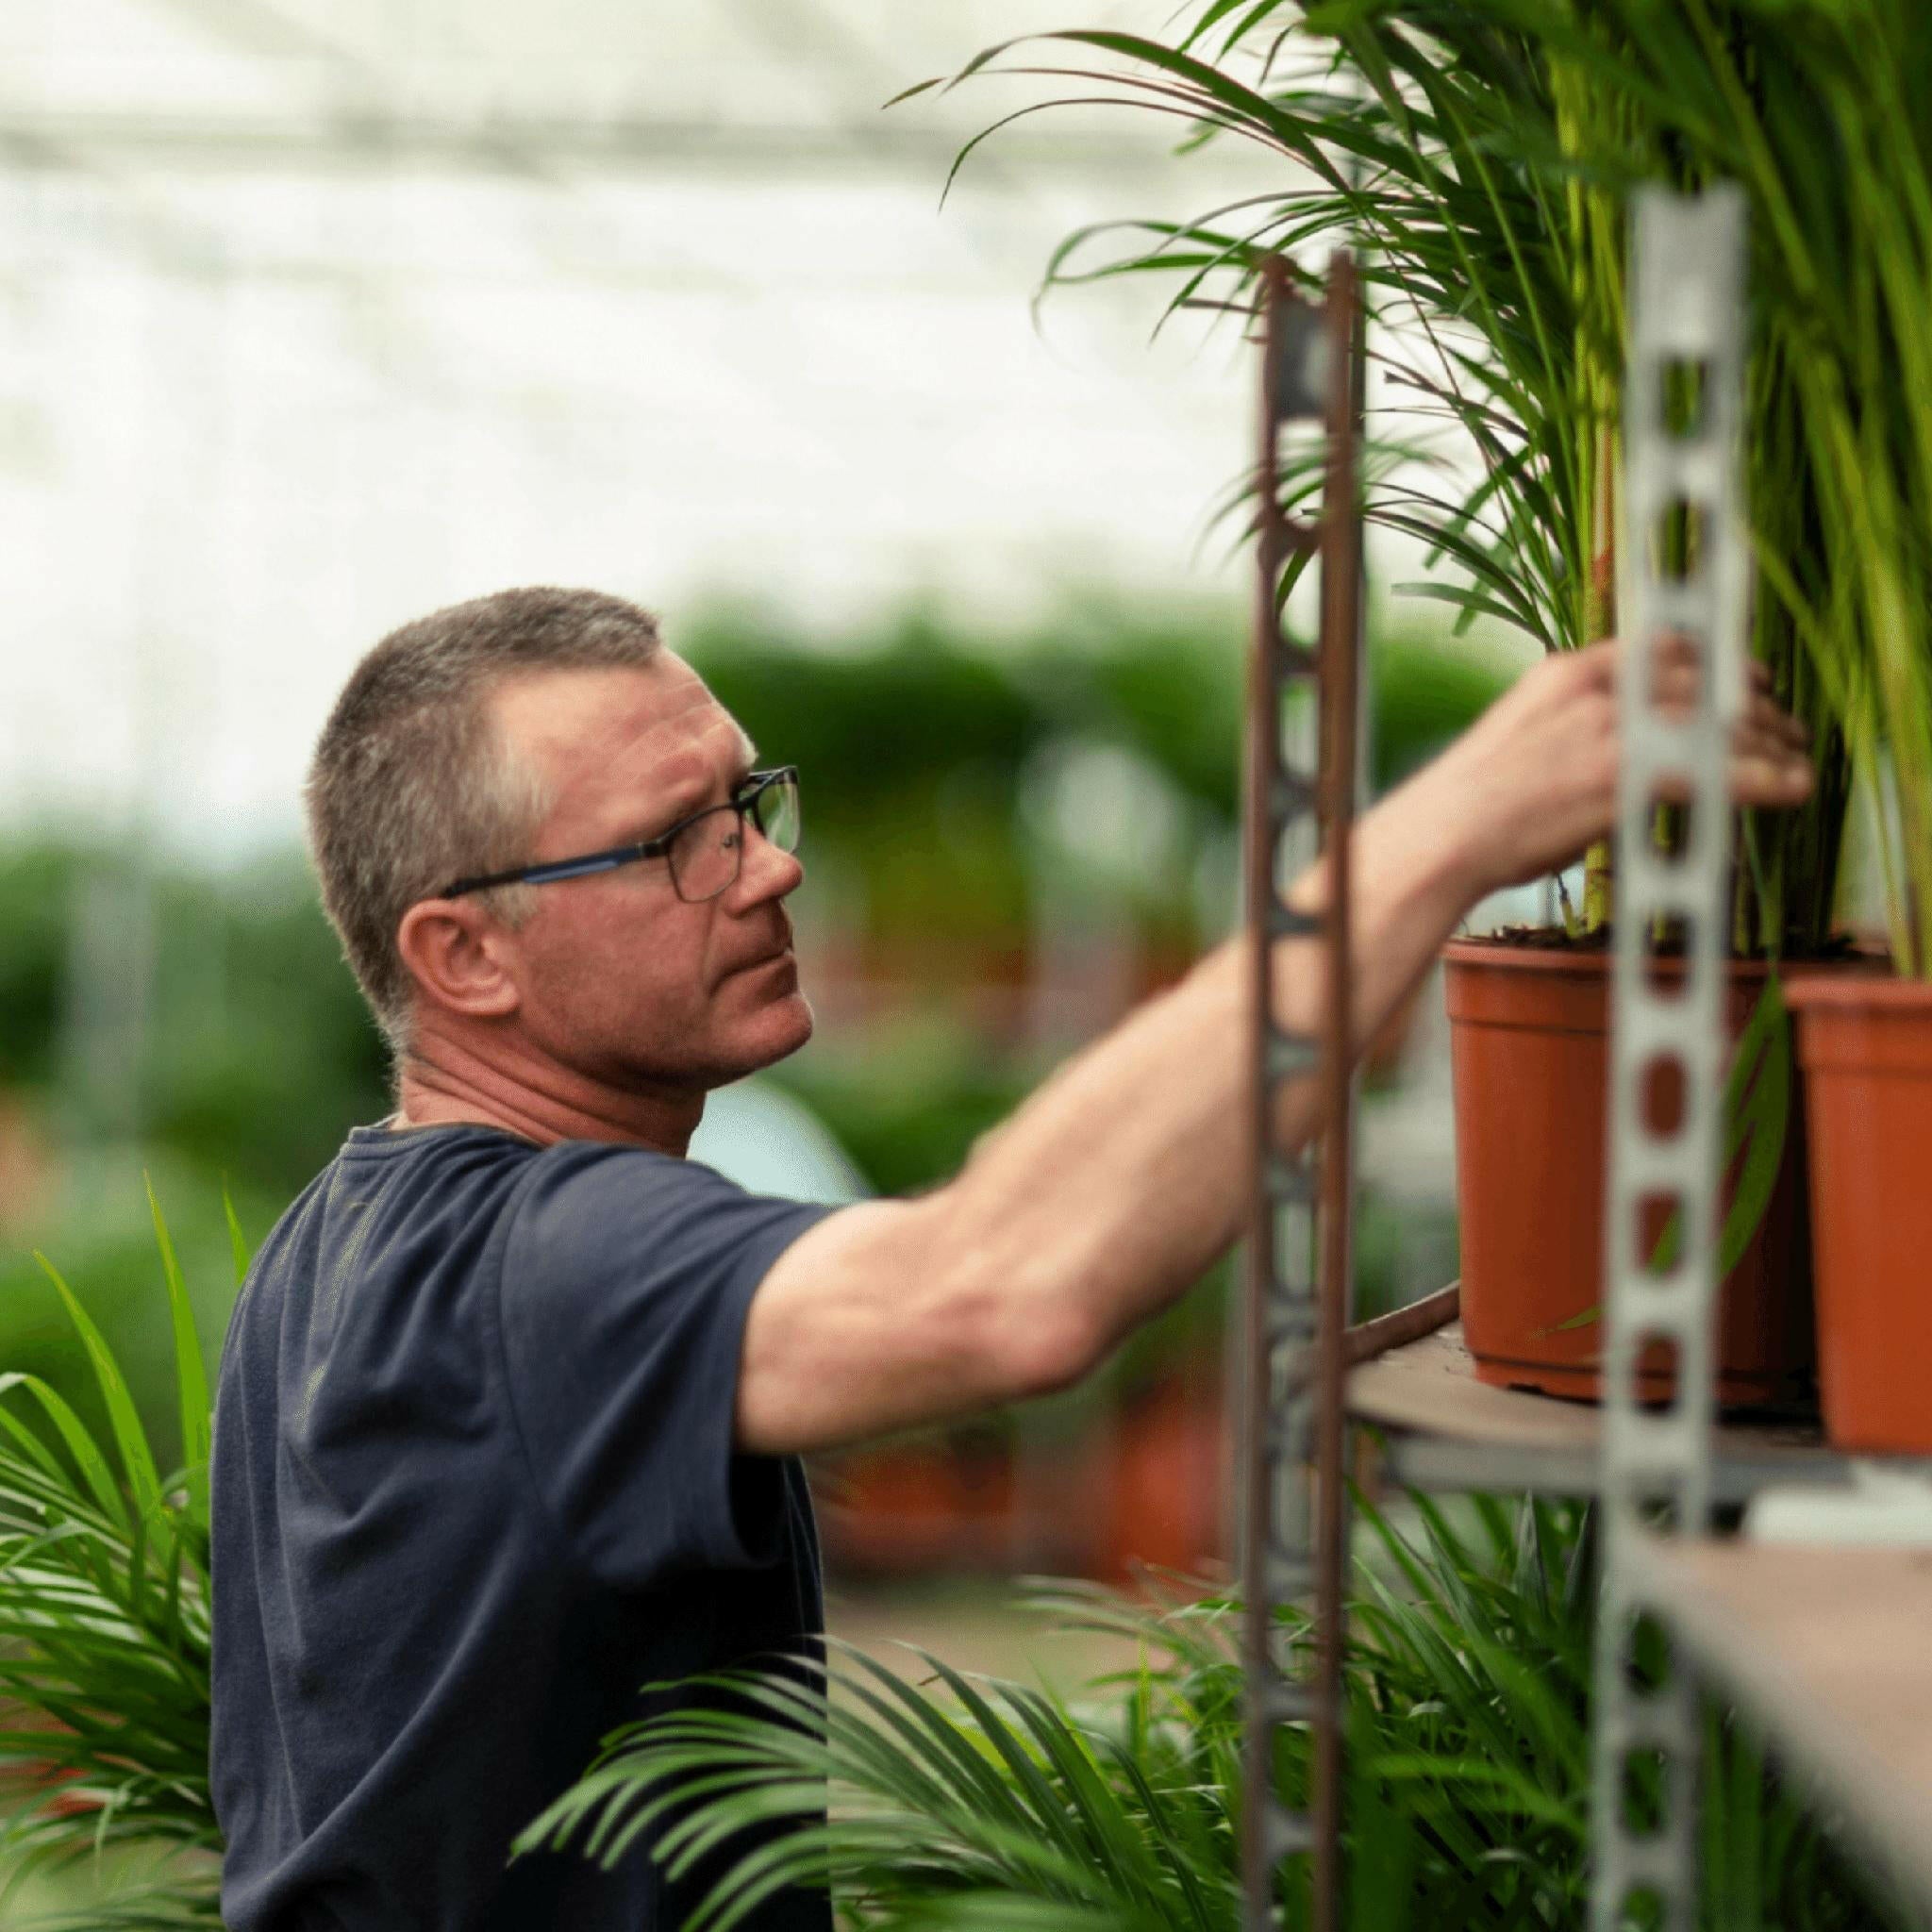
(740, 82)
(315, 315)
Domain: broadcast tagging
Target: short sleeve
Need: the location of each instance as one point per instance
(626, 1279)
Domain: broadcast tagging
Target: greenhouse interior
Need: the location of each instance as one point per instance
(1241, 1256)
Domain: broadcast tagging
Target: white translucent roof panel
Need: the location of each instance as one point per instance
(767, 65)
(306, 341)
(109, 58)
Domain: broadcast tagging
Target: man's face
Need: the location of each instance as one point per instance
(621, 980)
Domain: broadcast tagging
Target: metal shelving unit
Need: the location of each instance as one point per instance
(1821, 1646)
(1293, 1514)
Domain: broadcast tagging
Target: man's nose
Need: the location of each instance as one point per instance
(764, 872)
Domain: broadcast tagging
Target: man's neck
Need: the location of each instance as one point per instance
(442, 1082)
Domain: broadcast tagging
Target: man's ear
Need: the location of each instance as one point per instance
(457, 955)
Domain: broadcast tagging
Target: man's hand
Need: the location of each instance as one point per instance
(1534, 780)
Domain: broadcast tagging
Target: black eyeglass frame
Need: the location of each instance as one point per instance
(744, 802)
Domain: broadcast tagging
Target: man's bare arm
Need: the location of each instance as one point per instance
(1110, 1190)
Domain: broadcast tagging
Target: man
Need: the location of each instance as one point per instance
(513, 1399)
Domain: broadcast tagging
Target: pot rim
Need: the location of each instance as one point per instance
(1483, 950)
(1486, 949)
(1868, 990)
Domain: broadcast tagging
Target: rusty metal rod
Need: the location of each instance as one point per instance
(1293, 1514)
(1340, 637)
(1263, 761)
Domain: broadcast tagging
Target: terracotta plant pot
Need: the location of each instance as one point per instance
(1165, 1503)
(1865, 1044)
(1529, 1051)
(918, 1506)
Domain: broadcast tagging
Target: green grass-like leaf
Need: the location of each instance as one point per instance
(968, 1801)
(104, 1638)
(191, 1370)
(1479, 154)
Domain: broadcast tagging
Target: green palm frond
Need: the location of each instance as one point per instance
(105, 1632)
(948, 1800)
(1481, 153)
(952, 1803)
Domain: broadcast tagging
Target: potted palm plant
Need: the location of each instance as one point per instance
(1482, 153)
(1852, 240)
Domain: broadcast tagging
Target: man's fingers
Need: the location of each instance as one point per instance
(1770, 739)
(1769, 764)
(1765, 716)
(1676, 673)
(1675, 685)
(1769, 779)
(1557, 735)
(1766, 768)
(1601, 658)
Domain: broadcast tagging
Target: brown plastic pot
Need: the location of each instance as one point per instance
(1865, 1044)
(1529, 1032)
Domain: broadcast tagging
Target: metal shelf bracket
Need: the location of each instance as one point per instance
(1686, 584)
(1293, 1517)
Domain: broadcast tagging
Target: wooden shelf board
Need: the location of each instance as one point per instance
(1825, 1648)
(1448, 1430)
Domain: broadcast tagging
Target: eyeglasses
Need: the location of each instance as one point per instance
(704, 850)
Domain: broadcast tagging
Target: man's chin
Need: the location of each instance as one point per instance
(780, 1029)
(800, 1019)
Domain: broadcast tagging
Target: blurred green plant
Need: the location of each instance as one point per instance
(36, 903)
(105, 1631)
(259, 1054)
(1481, 152)
(921, 743)
(966, 1803)
(100, 1225)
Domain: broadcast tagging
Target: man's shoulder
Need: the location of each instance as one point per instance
(394, 1204)
(390, 1210)
(384, 1170)
(587, 1204)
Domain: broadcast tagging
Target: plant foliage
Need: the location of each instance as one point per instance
(1481, 153)
(103, 1631)
(962, 1802)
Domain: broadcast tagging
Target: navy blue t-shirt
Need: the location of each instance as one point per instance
(474, 1486)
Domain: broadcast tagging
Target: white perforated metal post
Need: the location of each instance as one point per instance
(1681, 483)
(1293, 1506)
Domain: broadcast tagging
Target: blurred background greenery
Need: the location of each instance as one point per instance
(1007, 846)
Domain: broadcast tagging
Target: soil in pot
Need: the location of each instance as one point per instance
(1530, 1053)
(1865, 1045)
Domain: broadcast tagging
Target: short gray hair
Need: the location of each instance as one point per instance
(411, 786)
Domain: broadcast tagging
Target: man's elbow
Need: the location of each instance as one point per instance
(1039, 1346)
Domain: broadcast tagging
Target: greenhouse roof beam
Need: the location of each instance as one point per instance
(380, 136)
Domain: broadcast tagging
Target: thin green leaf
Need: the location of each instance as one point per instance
(130, 1439)
(190, 1371)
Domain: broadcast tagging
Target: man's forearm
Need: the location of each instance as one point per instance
(1117, 1184)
